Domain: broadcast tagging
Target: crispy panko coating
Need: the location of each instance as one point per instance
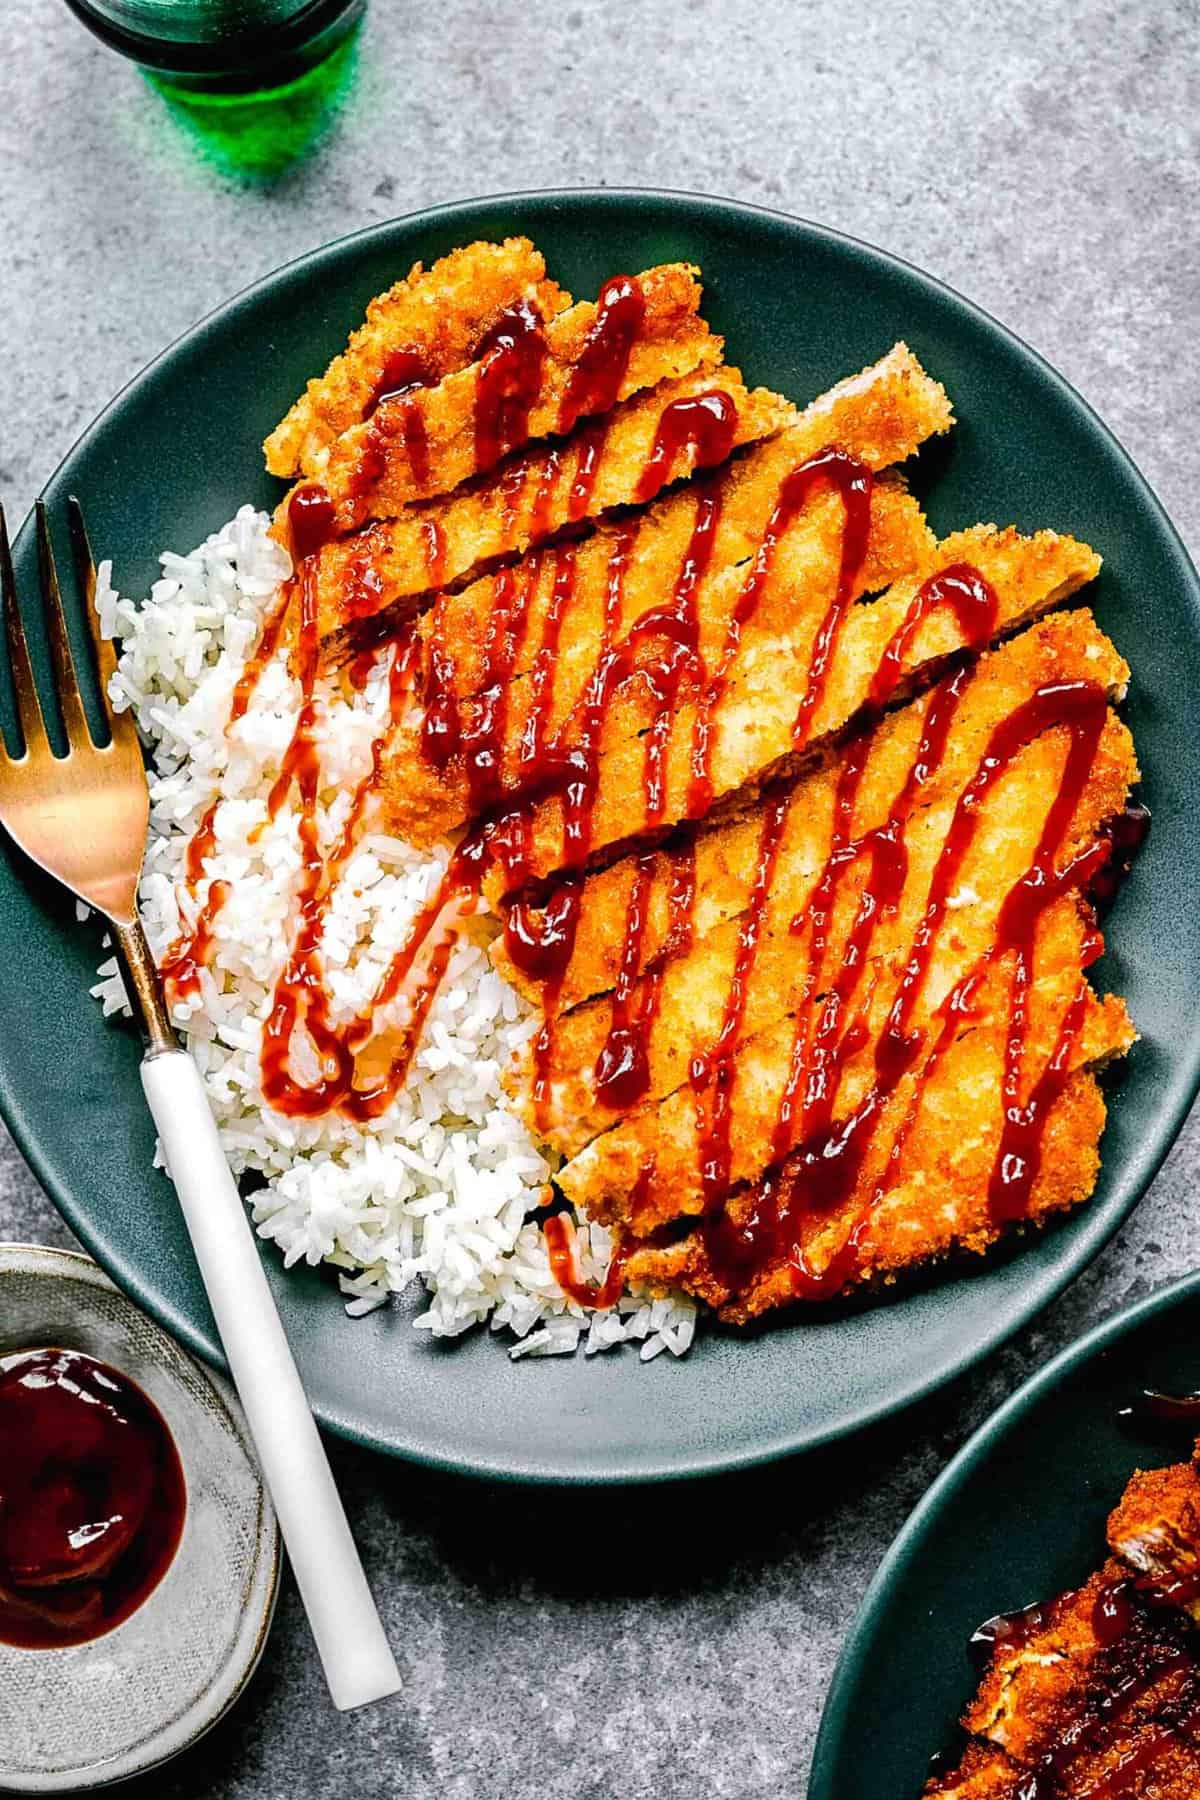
(423, 803)
(1093, 1712)
(692, 989)
(672, 341)
(983, 1774)
(724, 852)
(440, 313)
(646, 1170)
(1156, 1527)
(897, 407)
(882, 416)
(526, 499)
(752, 729)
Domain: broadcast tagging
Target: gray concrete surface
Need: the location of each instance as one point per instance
(1040, 158)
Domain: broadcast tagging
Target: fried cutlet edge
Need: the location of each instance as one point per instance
(378, 578)
(673, 339)
(1153, 1531)
(440, 313)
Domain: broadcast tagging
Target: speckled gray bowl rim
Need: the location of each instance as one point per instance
(49, 1262)
(835, 1723)
(1096, 1225)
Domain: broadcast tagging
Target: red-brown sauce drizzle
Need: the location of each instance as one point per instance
(596, 379)
(622, 1072)
(852, 481)
(511, 354)
(559, 1233)
(1165, 1409)
(92, 1498)
(1007, 1631)
(394, 417)
(705, 424)
(300, 998)
(1115, 1612)
(820, 1174)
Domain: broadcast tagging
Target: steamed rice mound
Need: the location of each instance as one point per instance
(439, 1190)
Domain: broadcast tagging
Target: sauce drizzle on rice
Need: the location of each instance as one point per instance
(361, 1070)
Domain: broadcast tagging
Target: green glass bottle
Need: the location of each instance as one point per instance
(223, 46)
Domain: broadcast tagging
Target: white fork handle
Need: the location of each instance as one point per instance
(358, 1663)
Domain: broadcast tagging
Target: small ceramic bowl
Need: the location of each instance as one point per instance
(94, 1713)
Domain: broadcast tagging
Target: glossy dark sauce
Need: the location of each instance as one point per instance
(1126, 833)
(597, 377)
(705, 424)
(559, 1233)
(1115, 1612)
(92, 1498)
(1007, 1631)
(395, 421)
(1165, 1409)
(511, 355)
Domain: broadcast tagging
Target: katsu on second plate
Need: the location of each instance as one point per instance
(1095, 1694)
(608, 853)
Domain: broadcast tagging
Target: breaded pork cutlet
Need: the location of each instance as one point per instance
(429, 438)
(761, 727)
(890, 790)
(627, 455)
(541, 635)
(434, 318)
(920, 1033)
(881, 416)
(923, 1162)
(1097, 1693)
(716, 861)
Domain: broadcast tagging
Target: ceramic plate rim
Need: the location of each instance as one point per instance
(1141, 1169)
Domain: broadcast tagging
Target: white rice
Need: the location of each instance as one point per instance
(439, 1189)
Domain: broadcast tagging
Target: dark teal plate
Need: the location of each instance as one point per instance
(1018, 1516)
(173, 457)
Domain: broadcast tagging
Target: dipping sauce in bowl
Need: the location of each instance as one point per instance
(92, 1498)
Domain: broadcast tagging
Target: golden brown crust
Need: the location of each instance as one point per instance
(672, 341)
(423, 803)
(1156, 1526)
(882, 415)
(726, 851)
(751, 735)
(528, 498)
(440, 312)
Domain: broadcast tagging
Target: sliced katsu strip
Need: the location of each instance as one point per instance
(1095, 1695)
(502, 738)
(624, 457)
(535, 374)
(827, 1086)
(673, 1011)
(429, 323)
(771, 718)
(715, 863)
(926, 1184)
(881, 416)
(511, 664)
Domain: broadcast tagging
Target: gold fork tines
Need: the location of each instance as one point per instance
(81, 817)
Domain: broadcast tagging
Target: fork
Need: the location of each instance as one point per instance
(82, 818)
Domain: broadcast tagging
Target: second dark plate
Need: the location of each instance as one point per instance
(1017, 1517)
